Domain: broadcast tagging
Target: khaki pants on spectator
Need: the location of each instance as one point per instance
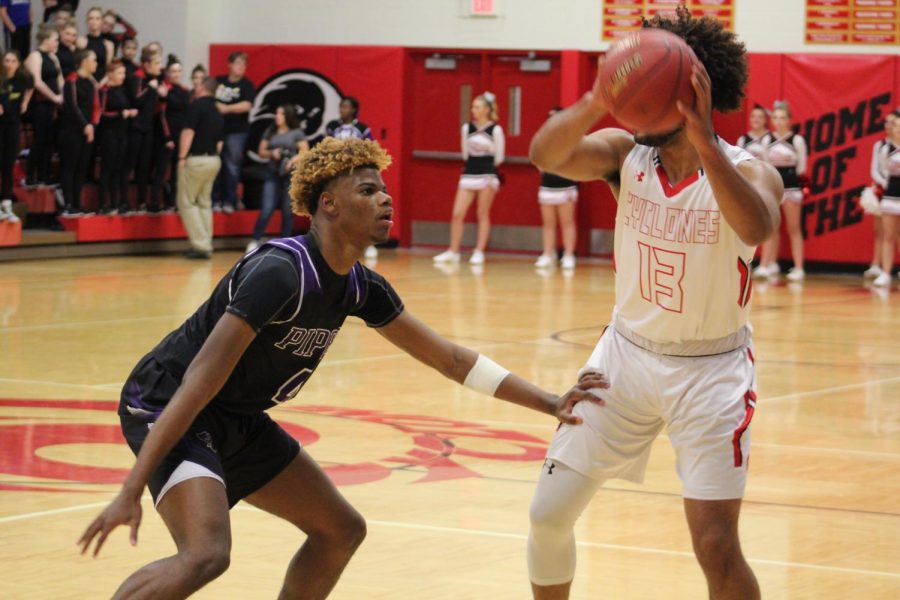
(195, 182)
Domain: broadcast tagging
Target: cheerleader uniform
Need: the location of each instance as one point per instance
(889, 160)
(788, 155)
(756, 146)
(483, 150)
(556, 190)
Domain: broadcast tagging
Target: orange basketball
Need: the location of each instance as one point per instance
(643, 76)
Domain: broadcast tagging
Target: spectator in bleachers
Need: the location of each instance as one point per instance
(80, 115)
(176, 108)
(112, 20)
(234, 99)
(143, 94)
(198, 164)
(129, 53)
(115, 113)
(282, 143)
(16, 16)
(94, 40)
(59, 12)
(348, 126)
(48, 82)
(162, 147)
(15, 92)
(68, 46)
(197, 76)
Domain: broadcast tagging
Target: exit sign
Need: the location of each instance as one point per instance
(483, 8)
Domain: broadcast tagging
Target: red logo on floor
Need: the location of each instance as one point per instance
(437, 444)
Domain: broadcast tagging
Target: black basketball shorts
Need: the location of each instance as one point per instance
(244, 452)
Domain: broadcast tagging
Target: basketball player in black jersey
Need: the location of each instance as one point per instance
(204, 389)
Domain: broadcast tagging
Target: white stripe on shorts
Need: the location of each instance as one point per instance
(186, 470)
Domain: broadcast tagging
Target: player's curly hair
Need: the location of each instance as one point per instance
(331, 159)
(724, 57)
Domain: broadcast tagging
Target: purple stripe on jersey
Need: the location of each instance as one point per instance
(134, 399)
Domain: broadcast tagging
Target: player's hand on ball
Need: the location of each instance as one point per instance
(698, 118)
(589, 380)
(124, 510)
(597, 98)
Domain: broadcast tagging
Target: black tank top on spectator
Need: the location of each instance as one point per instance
(205, 119)
(232, 92)
(81, 104)
(297, 305)
(98, 45)
(49, 75)
(549, 180)
(12, 94)
(114, 100)
(66, 58)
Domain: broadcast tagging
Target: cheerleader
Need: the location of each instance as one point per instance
(483, 146)
(757, 140)
(15, 92)
(557, 197)
(879, 181)
(889, 164)
(786, 152)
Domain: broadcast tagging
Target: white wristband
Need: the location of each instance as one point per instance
(485, 376)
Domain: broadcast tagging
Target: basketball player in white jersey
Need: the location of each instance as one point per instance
(677, 354)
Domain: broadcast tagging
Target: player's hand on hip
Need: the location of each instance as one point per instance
(589, 380)
(124, 510)
(698, 118)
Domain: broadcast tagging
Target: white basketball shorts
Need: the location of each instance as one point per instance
(705, 403)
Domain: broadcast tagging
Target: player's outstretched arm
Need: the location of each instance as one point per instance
(205, 376)
(560, 146)
(748, 194)
(480, 373)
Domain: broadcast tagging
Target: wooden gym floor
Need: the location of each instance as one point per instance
(443, 475)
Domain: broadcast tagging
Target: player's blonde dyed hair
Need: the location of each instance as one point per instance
(330, 159)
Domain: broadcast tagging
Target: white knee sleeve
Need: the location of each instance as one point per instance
(560, 497)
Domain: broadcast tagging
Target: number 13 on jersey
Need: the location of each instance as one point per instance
(662, 272)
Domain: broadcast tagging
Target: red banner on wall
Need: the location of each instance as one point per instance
(622, 17)
(840, 124)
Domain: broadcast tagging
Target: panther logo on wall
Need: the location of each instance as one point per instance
(316, 98)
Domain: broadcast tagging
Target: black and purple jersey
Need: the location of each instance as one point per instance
(290, 296)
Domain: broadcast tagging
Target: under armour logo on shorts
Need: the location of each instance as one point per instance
(550, 466)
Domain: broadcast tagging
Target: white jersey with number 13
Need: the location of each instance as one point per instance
(682, 273)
